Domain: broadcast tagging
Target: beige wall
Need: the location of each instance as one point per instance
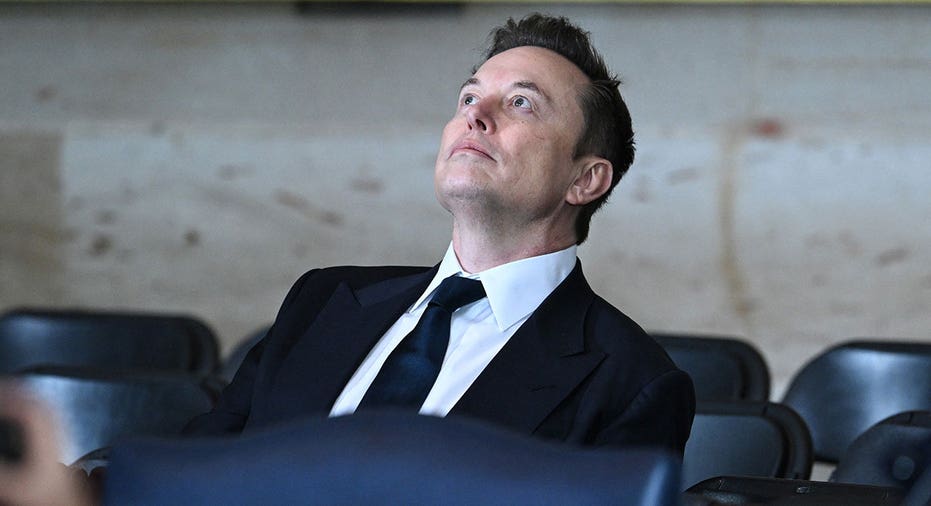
(200, 157)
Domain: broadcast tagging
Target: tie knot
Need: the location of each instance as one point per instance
(456, 291)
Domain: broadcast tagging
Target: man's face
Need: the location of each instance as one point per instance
(510, 145)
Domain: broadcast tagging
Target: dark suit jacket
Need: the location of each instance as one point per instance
(578, 370)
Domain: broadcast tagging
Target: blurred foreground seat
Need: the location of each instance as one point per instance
(722, 368)
(854, 385)
(106, 340)
(386, 458)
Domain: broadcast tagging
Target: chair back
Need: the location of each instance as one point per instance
(920, 493)
(722, 368)
(854, 385)
(892, 453)
(746, 438)
(387, 458)
(96, 408)
(106, 340)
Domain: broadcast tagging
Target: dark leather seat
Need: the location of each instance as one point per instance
(96, 408)
(746, 438)
(106, 340)
(892, 453)
(853, 385)
(920, 493)
(722, 368)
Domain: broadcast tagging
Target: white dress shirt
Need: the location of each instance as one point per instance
(478, 331)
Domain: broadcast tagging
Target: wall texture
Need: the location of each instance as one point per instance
(198, 158)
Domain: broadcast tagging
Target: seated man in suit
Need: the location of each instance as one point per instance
(505, 329)
(539, 138)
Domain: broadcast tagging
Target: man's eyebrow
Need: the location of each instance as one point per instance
(526, 85)
(469, 82)
(532, 86)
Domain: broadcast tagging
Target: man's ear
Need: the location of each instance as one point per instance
(593, 181)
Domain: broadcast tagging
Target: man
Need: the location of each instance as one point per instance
(539, 139)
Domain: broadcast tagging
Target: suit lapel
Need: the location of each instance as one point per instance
(540, 365)
(340, 338)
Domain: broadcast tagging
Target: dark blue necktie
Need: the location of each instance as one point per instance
(410, 371)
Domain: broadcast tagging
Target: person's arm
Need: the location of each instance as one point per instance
(660, 415)
(35, 477)
(232, 411)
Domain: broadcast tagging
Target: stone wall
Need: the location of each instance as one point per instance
(199, 158)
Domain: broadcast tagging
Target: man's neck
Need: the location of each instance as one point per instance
(480, 250)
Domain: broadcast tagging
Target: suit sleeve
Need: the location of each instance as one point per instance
(231, 412)
(659, 416)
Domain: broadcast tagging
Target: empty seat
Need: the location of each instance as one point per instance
(96, 408)
(746, 490)
(853, 385)
(722, 368)
(746, 438)
(892, 453)
(106, 340)
(920, 493)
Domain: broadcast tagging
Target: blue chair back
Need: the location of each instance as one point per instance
(722, 368)
(850, 387)
(763, 439)
(106, 340)
(386, 458)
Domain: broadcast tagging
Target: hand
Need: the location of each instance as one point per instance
(37, 478)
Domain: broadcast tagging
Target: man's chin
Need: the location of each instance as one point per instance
(459, 193)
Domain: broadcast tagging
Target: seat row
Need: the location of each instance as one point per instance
(834, 398)
(864, 405)
(110, 340)
(839, 393)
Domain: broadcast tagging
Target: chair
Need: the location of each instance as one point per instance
(722, 369)
(853, 385)
(96, 407)
(386, 458)
(920, 494)
(892, 453)
(746, 438)
(108, 340)
(232, 362)
(747, 490)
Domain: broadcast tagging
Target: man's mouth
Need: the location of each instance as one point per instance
(471, 147)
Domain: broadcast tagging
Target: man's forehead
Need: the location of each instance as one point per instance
(531, 64)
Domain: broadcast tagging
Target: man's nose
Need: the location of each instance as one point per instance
(481, 118)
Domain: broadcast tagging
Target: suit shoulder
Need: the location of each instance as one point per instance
(315, 286)
(617, 334)
(358, 276)
(633, 359)
(610, 313)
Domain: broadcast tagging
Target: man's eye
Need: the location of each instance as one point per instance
(468, 100)
(522, 103)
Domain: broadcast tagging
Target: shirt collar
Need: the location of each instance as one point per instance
(514, 289)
